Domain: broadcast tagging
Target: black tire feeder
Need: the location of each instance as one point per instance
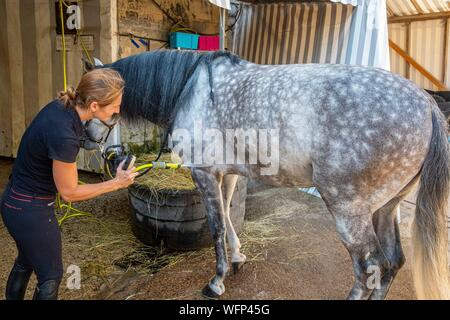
(177, 220)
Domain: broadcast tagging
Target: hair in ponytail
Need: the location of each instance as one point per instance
(68, 97)
(100, 85)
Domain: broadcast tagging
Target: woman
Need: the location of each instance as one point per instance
(46, 165)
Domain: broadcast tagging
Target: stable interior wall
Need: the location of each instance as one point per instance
(152, 21)
(425, 42)
(31, 64)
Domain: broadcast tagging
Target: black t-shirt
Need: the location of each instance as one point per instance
(53, 134)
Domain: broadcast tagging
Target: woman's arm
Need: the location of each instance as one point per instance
(65, 176)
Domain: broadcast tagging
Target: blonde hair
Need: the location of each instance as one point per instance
(100, 85)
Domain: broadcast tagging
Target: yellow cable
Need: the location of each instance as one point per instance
(144, 166)
(67, 216)
(63, 43)
(68, 209)
(166, 165)
(107, 166)
(84, 48)
(173, 165)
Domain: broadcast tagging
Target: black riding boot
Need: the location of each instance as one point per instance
(17, 282)
(47, 291)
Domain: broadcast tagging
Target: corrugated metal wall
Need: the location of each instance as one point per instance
(293, 33)
(32, 72)
(312, 32)
(398, 34)
(426, 46)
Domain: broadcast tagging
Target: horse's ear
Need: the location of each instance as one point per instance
(88, 66)
(98, 63)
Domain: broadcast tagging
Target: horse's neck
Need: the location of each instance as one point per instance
(180, 97)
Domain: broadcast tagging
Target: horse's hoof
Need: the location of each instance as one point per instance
(209, 293)
(237, 266)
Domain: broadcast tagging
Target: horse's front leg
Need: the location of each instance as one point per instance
(209, 185)
(237, 258)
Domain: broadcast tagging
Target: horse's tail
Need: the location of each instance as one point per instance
(429, 234)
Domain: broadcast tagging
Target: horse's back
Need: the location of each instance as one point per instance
(334, 121)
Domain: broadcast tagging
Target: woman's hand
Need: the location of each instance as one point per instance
(124, 178)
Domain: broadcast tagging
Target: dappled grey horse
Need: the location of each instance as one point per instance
(362, 136)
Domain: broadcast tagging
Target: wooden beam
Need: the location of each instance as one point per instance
(408, 48)
(446, 50)
(416, 65)
(389, 10)
(420, 17)
(16, 73)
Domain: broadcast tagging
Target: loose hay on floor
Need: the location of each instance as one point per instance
(105, 248)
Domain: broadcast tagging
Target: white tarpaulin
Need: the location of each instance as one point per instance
(221, 3)
(352, 2)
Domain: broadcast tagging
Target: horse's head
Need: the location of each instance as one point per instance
(97, 132)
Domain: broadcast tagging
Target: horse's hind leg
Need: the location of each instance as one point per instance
(354, 225)
(237, 258)
(387, 229)
(210, 186)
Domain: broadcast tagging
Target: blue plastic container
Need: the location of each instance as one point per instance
(183, 40)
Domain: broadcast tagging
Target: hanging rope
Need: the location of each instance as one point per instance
(63, 44)
(68, 210)
(79, 35)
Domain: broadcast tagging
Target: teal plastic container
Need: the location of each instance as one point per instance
(183, 40)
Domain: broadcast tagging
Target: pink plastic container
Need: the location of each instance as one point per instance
(208, 43)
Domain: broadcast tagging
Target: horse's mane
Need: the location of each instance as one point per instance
(159, 83)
